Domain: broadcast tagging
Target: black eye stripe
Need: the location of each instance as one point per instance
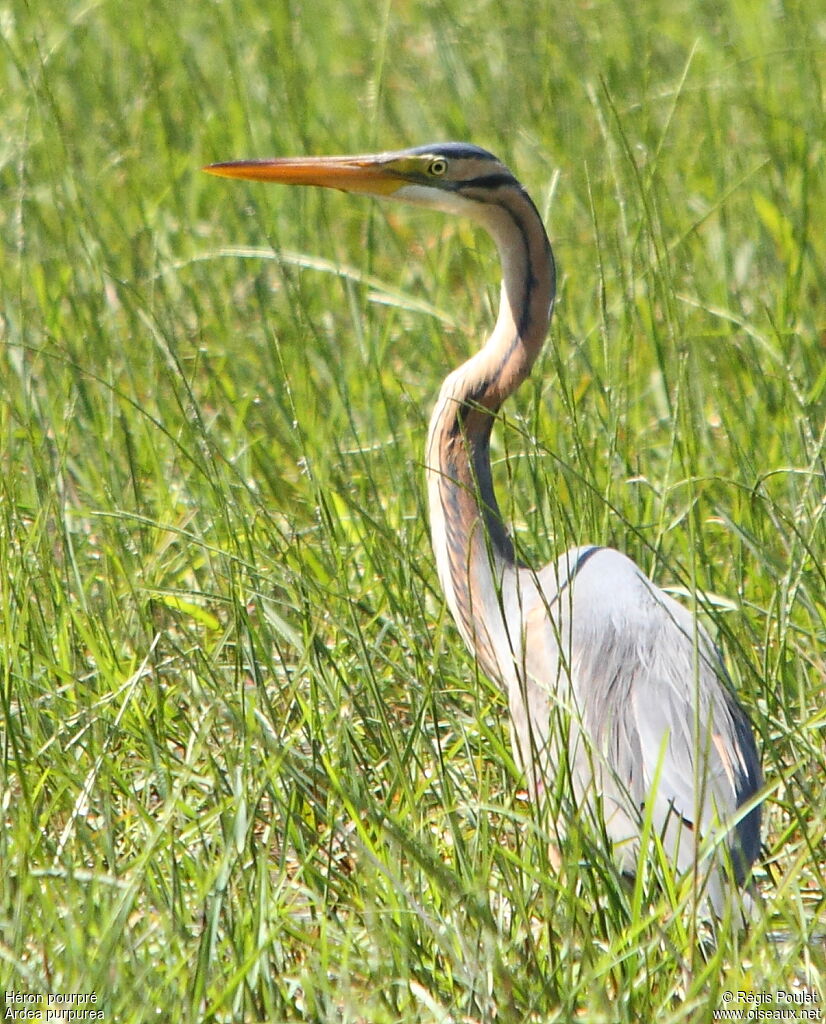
(491, 181)
(485, 181)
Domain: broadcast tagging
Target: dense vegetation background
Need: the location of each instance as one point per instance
(248, 771)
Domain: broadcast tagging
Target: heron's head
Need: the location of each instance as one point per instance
(449, 176)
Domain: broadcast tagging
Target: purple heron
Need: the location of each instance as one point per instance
(607, 677)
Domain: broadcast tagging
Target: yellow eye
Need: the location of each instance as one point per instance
(437, 167)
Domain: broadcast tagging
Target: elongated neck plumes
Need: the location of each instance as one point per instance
(473, 550)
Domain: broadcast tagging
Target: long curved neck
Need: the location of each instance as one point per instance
(473, 550)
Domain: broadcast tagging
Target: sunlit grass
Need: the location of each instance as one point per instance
(248, 770)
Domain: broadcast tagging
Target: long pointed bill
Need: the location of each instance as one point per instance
(368, 174)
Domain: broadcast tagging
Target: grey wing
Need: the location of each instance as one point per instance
(651, 716)
(698, 754)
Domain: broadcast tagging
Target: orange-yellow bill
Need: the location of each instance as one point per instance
(348, 173)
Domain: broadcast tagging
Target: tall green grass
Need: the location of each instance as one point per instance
(248, 772)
